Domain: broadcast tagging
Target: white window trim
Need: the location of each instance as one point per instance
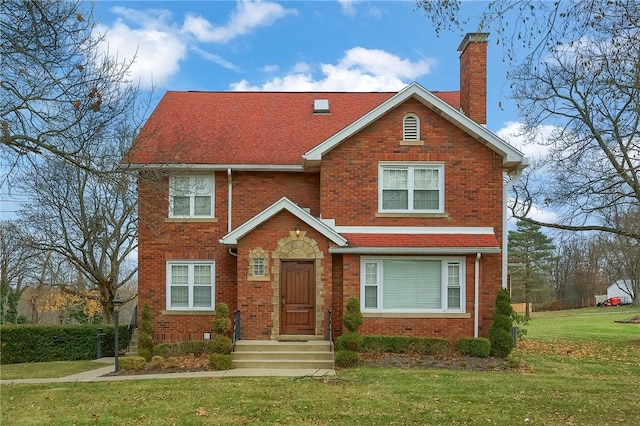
(192, 196)
(439, 166)
(404, 127)
(444, 262)
(190, 264)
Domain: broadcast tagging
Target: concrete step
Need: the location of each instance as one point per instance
(286, 353)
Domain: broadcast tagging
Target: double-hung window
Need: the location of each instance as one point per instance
(411, 188)
(405, 285)
(191, 196)
(190, 285)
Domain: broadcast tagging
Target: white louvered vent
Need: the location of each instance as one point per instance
(411, 128)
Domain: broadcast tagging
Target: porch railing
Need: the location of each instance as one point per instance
(133, 324)
(330, 331)
(236, 328)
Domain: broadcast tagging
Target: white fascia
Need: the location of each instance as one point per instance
(415, 250)
(416, 230)
(218, 167)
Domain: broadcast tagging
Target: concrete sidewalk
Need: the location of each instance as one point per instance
(98, 375)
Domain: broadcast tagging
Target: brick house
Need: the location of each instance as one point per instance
(284, 205)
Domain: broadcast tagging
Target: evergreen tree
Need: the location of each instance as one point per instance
(533, 253)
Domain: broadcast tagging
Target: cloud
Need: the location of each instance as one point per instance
(534, 145)
(348, 6)
(156, 50)
(359, 70)
(247, 16)
(160, 46)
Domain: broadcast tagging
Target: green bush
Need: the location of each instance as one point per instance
(172, 362)
(135, 363)
(144, 353)
(349, 341)
(500, 331)
(220, 361)
(42, 343)
(429, 345)
(478, 347)
(406, 344)
(145, 337)
(157, 362)
(191, 347)
(221, 345)
(353, 318)
(222, 324)
(346, 359)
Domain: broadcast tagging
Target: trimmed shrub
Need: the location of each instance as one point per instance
(429, 345)
(353, 318)
(191, 347)
(157, 362)
(349, 341)
(172, 362)
(222, 324)
(478, 347)
(220, 361)
(135, 363)
(346, 359)
(42, 343)
(145, 337)
(500, 330)
(144, 353)
(221, 345)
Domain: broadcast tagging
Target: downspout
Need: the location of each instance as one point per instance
(229, 205)
(505, 233)
(476, 296)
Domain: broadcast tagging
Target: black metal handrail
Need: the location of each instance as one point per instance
(133, 324)
(236, 328)
(330, 331)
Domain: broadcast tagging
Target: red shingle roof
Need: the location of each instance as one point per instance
(251, 128)
(423, 241)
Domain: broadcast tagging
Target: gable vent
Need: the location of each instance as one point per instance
(410, 128)
(320, 106)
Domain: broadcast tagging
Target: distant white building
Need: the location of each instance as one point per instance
(622, 289)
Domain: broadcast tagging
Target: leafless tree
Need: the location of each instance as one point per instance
(15, 269)
(57, 90)
(88, 219)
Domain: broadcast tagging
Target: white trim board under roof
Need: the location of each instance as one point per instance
(512, 158)
(284, 203)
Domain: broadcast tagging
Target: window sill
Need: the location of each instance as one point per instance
(461, 315)
(191, 219)
(188, 312)
(412, 142)
(379, 214)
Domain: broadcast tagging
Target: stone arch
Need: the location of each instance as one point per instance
(297, 247)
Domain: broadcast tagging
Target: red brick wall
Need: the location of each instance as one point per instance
(161, 239)
(473, 81)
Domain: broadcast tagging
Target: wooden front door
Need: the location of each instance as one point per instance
(297, 297)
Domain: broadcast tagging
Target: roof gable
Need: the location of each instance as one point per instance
(282, 204)
(512, 158)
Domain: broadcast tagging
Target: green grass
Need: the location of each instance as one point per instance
(578, 367)
(46, 370)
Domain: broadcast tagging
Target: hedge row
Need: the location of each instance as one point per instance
(41, 343)
(406, 344)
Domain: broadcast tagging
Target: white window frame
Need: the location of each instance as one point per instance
(411, 167)
(415, 132)
(192, 193)
(444, 284)
(191, 284)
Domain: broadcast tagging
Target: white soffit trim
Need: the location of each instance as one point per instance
(216, 167)
(282, 204)
(416, 230)
(512, 157)
(415, 250)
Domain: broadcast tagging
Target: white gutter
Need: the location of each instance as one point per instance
(415, 250)
(229, 195)
(476, 296)
(505, 232)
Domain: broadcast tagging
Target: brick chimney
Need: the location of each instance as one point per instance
(473, 76)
